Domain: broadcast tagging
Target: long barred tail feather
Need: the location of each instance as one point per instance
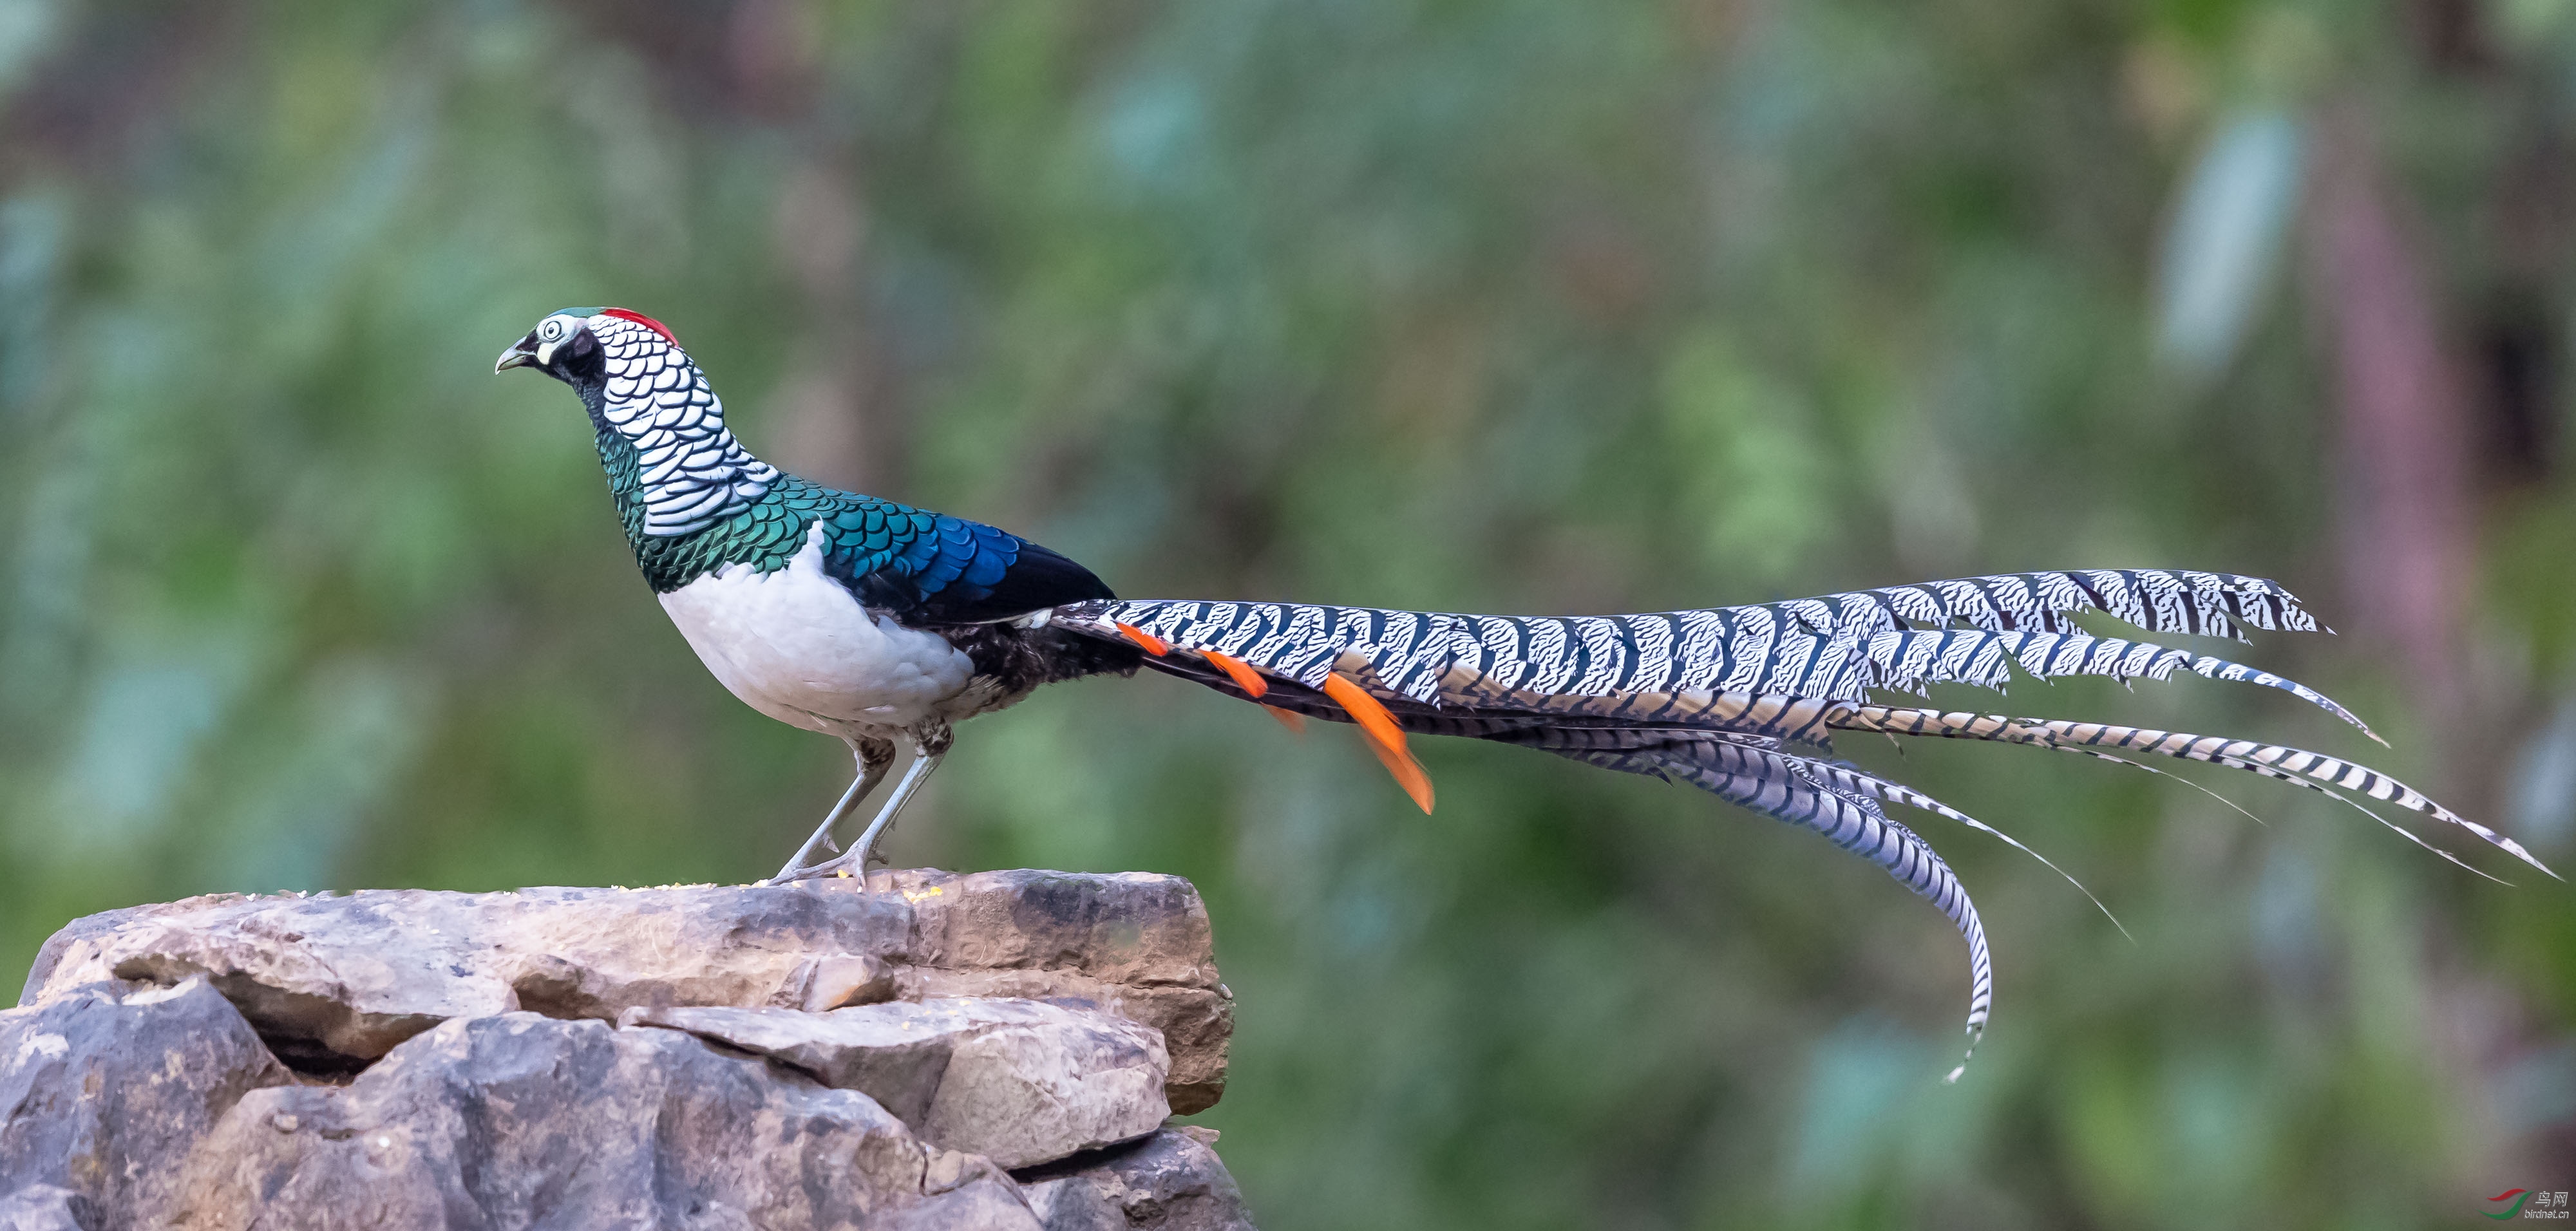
(2338, 796)
(2408, 834)
(1803, 793)
(1845, 779)
(2310, 769)
(2158, 600)
(1729, 699)
(2320, 788)
(1849, 778)
(2052, 655)
(1645, 668)
(2098, 754)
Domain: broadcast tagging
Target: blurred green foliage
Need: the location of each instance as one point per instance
(1511, 306)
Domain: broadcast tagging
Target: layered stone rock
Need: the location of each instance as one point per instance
(334, 983)
(534, 1122)
(108, 1085)
(1171, 1179)
(1021, 1082)
(989, 1051)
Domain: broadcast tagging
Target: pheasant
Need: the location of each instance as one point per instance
(887, 625)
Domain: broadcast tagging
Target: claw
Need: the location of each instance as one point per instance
(829, 869)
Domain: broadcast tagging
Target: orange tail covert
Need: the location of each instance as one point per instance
(1244, 676)
(1146, 641)
(1384, 736)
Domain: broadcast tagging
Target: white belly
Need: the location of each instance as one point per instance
(795, 645)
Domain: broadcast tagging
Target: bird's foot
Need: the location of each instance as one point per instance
(853, 863)
(864, 851)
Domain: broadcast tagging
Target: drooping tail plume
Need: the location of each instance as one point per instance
(1723, 698)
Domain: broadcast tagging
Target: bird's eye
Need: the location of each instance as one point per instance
(552, 331)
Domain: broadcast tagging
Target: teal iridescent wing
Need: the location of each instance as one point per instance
(931, 568)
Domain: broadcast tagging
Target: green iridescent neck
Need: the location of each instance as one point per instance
(765, 534)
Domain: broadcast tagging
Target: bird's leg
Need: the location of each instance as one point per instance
(929, 743)
(874, 757)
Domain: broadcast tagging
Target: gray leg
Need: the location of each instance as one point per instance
(874, 756)
(928, 749)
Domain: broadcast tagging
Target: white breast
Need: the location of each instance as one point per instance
(795, 645)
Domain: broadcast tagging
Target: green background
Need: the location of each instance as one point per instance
(1528, 306)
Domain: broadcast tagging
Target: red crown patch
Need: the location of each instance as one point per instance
(641, 319)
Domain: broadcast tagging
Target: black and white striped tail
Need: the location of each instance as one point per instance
(1840, 803)
(1719, 698)
(1839, 646)
(2314, 770)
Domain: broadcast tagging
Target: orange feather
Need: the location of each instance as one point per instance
(1152, 644)
(1244, 676)
(1386, 739)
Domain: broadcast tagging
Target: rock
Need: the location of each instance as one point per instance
(1131, 928)
(524, 1120)
(1169, 1180)
(332, 983)
(821, 984)
(1135, 944)
(1197, 1025)
(43, 1207)
(820, 1056)
(1019, 1081)
(104, 1087)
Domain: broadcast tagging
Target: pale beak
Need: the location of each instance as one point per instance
(522, 354)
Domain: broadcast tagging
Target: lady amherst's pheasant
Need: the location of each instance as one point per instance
(880, 623)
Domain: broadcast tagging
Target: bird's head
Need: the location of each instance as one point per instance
(647, 400)
(566, 345)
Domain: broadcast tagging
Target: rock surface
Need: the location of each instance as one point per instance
(1021, 1082)
(823, 1055)
(530, 1121)
(45, 1207)
(106, 1086)
(1171, 1179)
(333, 983)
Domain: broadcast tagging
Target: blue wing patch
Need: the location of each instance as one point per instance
(931, 568)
